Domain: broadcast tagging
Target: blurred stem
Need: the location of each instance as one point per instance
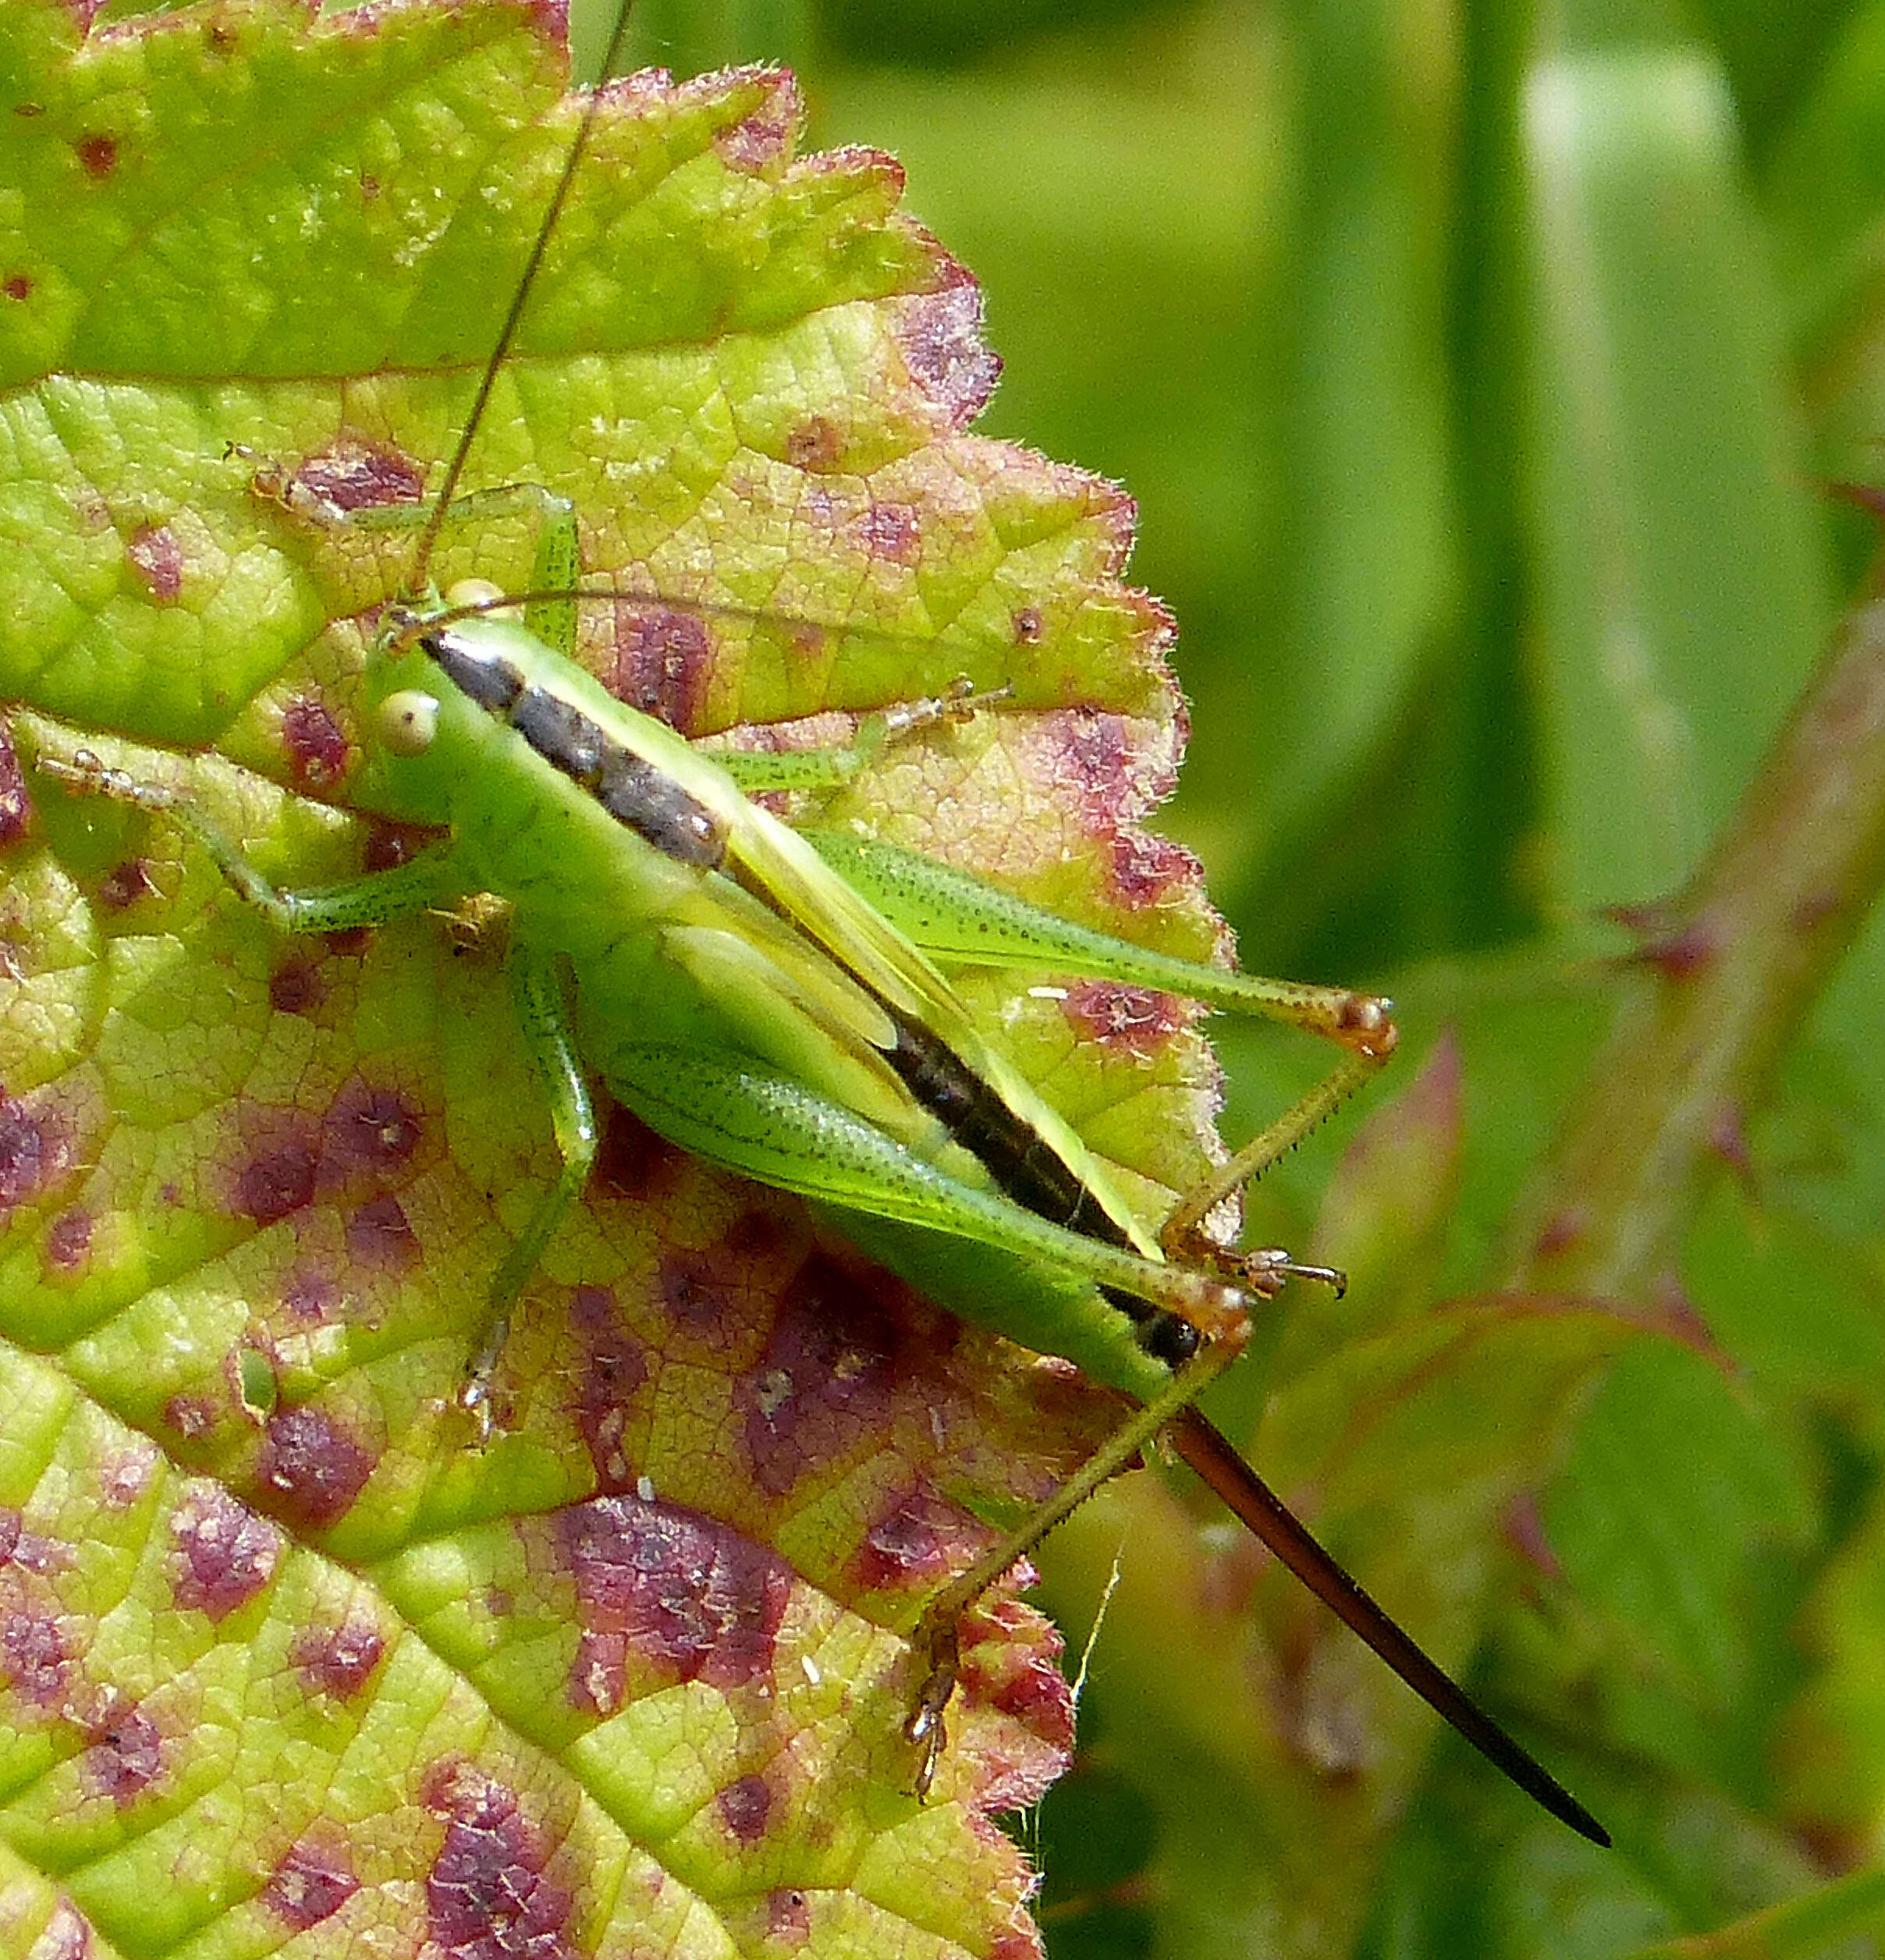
(1844, 1910)
(1726, 974)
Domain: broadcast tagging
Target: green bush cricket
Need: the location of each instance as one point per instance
(768, 1000)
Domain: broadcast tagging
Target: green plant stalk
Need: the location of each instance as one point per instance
(1726, 972)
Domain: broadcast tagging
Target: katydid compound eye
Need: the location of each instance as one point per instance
(407, 722)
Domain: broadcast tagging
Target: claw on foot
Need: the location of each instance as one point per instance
(1264, 1272)
(90, 775)
(924, 1728)
(956, 705)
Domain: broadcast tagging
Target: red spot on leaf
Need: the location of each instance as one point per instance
(317, 749)
(1525, 1530)
(368, 1133)
(709, 1295)
(1011, 1662)
(34, 1658)
(1098, 765)
(1679, 1313)
(374, 1128)
(189, 1416)
(940, 335)
(311, 1884)
(312, 1298)
(1560, 1233)
(158, 559)
(788, 1917)
(825, 1382)
(16, 805)
(814, 444)
(275, 1183)
(1093, 754)
(391, 844)
(31, 1551)
(616, 1366)
(1137, 1020)
(1727, 1136)
(1643, 921)
(762, 139)
(909, 1544)
(66, 1935)
(223, 1555)
(34, 1151)
(487, 1895)
(1036, 1695)
(379, 1236)
(889, 531)
(662, 660)
(1146, 868)
(125, 1756)
(17, 286)
(1027, 626)
(296, 986)
(98, 154)
(755, 1235)
(124, 1476)
(124, 885)
(744, 1807)
(666, 1596)
(68, 1239)
(1680, 956)
(807, 642)
(634, 1162)
(339, 1661)
(354, 475)
(313, 1469)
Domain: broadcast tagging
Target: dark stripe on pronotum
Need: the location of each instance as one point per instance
(631, 789)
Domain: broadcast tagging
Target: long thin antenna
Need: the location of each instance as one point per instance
(428, 539)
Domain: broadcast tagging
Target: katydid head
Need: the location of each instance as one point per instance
(416, 738)
(423, 733)
(407, 717)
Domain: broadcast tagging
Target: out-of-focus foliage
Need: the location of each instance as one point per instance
(1481, 372)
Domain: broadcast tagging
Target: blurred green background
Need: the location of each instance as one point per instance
(1481, 372)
